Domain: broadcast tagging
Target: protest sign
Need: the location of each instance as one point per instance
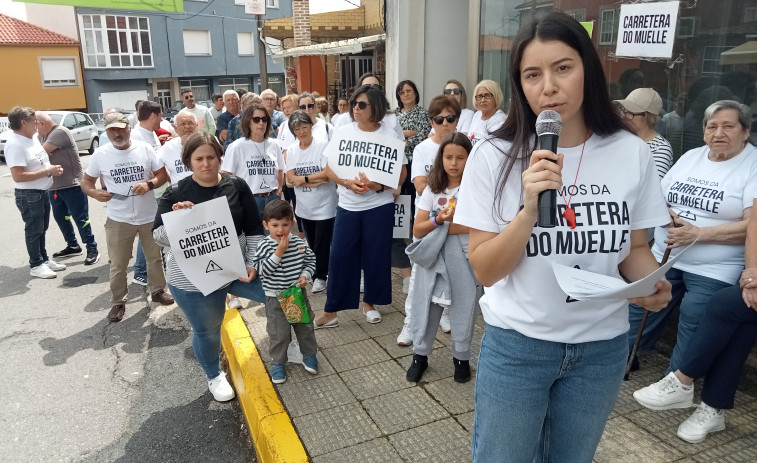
(647, 30)
(402, 217)
(377, 156)
(205, 245)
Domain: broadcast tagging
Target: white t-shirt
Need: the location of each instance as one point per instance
(122, 170)
(337, 117)
(258, 163)
(466, 117)
(148, 136)
(313, 203)
(480, 128)
(169, 156)
(370, 199)
(434, 202)
(390, 119)
(285, 136)
(707, 194)
(29, 154)
(617, 191)
(322, 130)
(424, 156)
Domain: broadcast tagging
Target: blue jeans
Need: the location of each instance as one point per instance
(261, 202)
(140, 263)
(205, 314)
(693, 293)
(541, 401)
(72, 203)
(34, 206)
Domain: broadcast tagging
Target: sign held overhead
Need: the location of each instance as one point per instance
(647, 30)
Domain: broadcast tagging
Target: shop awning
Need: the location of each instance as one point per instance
(340, 47)
(745, 53)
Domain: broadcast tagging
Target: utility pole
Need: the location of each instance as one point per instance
(262, 55)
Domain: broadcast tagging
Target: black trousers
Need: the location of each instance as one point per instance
(319, 234)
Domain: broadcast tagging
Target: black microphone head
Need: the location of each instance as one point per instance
(548, 122)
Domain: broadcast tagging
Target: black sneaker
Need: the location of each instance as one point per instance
(68, 252)
(419, 365)
(92, 257)
(462, 370)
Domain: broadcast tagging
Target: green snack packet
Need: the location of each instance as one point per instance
(293, 304)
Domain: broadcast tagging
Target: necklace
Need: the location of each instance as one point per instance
(570, 215)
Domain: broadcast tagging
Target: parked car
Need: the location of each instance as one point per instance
(81, 126)
(170, 112)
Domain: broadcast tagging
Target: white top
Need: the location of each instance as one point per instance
(424, 155)
(480, 128)
(258, 163)
(434, 202)
(608, 202)
(313, 203)
(148, 136)
(29, 154)
(122, 170)
(169, 156)
(285, 136)
(322, 130)
(466, 117)
(390, 119)
(370, 199)
(707, 194)
(339, 116)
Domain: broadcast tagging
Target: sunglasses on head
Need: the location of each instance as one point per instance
(259, 119)
(450, 91)
(439, 120)
(307, 106)
(359, 104)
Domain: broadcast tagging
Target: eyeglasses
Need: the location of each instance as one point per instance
(439, 120)
(360, 104)
(484, 96)
(307, 106)
(259, 119)
(626, 113)
(186, 124)
(269, 98)
(450, 91)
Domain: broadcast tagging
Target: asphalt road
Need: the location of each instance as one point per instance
(83, 389)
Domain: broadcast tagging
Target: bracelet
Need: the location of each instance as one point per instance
(433, 221)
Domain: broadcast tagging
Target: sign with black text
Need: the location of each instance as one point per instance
(402, 217)
(647, 30)
(377, 156)
(205, 245)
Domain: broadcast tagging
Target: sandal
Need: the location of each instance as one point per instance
(372, 316)
(333, 323)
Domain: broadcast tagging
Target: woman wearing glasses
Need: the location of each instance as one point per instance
(363, 225)
(487, 99)
(455, 91)
(322, 130)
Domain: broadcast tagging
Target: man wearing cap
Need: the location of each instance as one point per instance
(131, 172)
(205, 121)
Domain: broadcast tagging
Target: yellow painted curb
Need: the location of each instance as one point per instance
(272, 432)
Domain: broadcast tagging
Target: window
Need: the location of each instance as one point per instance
(197, 42)
(59, 72)
(115, 41)
(687, 26)
(578, 15)
(232, 83)
(272, 3)
(275, 83)
(711, 60)
(199, 87)
(245, 43)
(750, 14)
(69, 122)
(608, 29)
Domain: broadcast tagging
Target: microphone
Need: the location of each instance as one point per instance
(548, 126)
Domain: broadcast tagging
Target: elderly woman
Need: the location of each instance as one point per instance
(412, 118)
(285, 136)
(202, 155)
(640, 111)
(363, 225)
(455, 91)
(487, 99)
(322, 105)
(709, 193)
(322, 130)
(316, 193)
(235, 130)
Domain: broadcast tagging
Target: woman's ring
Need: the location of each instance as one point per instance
(749, 280)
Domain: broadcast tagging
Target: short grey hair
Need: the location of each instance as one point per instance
(745, 113)
(231, 92)
(186, 113)
(268, 90)
(18, 114)
(304, 95)
(298, 117)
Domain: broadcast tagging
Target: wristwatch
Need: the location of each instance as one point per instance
(307, 179)
(150, 185)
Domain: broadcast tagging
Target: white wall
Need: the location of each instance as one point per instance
(57, 18)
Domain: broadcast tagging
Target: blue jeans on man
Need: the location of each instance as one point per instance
(34, 206)
(72, 203)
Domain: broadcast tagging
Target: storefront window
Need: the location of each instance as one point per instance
(714, 56)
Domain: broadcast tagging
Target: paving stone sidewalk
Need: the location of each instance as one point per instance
(360, 408)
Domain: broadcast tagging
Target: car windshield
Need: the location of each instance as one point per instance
(56, 118)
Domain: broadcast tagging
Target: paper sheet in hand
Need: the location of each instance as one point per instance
(205, 245)
(377, 156)
(584, 285)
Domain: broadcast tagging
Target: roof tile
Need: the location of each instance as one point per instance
(16, 32)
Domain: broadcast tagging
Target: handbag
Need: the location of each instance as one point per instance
(293, 304)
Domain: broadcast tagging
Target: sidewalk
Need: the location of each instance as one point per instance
(359, 407)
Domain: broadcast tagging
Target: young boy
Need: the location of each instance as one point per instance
(283, 260)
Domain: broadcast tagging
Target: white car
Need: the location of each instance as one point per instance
(81, 126)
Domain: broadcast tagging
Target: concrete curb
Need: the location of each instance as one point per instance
(271, 429)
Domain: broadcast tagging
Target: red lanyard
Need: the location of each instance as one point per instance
(570, 215)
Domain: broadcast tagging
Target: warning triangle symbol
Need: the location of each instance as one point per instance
(263, 185)
(212, 267)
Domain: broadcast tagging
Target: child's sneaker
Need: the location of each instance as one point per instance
(419, 365)
(278, 374)
(462, 370)
(311, 364)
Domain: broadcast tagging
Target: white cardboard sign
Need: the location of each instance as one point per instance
(205, 245)
(377, 156)
(402, 216)
(254, 7)
(647, 29)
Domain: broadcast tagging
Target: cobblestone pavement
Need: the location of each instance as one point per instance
(359, 407)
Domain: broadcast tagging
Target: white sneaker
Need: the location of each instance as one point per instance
(444, 322)
(406, 285)
(220, 388)
(665, 394)
(235, 303)
(704, 421)
(42, 271)
(54, 266)
(318, 286)
(404, 338)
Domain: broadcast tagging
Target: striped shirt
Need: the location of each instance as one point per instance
(662, 153)
(279, 273)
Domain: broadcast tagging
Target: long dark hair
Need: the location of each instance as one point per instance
(437, 177)
(519, 127)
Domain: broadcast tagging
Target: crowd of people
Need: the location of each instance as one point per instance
(475, 176)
